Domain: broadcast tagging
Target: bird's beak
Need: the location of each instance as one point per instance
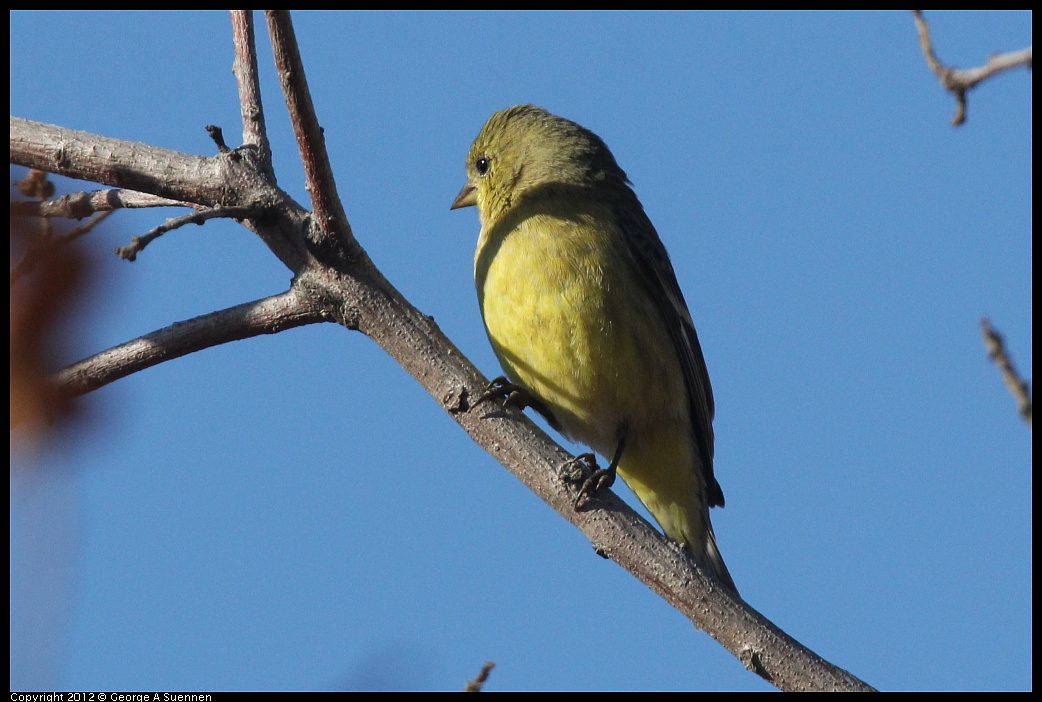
(468, 197)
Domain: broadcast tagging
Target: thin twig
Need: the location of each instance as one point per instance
(996, 348)
(479, 680)
(266, 316)
(217, 134)
(138, 243)
(960, 81)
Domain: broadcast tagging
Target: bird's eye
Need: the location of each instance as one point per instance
(481, 165)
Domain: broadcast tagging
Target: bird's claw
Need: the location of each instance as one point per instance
(575, 469)
(598, 478)
(512, 395)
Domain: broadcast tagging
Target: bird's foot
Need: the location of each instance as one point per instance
(514, 395)
(584, 467)
(575, 470)
(511, 394)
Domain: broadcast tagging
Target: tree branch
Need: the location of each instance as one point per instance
(1018, 387)
(267, 316)
(960, 81)
(254, 131)
(120, 163)
(479, 679)
(318, 173)
(233, 179)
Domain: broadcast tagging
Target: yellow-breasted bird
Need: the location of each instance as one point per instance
(583, 309)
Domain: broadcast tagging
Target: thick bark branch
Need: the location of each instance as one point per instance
(334, 233)
(232, 179)
(119, 163)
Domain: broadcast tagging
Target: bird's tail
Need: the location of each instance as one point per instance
(665, 476)
(713, 559)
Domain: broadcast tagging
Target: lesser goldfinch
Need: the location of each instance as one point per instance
(583, 310)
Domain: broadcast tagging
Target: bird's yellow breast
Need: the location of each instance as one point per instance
(569, 322)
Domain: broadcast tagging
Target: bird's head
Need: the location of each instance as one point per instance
(523, 151)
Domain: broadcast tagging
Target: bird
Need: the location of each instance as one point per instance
(584, 313)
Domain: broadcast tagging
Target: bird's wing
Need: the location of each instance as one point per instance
(656, 272)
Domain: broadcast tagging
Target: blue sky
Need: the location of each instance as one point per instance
(294, 512)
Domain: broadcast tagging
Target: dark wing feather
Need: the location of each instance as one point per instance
(656, 272)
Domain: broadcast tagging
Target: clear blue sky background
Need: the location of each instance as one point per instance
(294, 512)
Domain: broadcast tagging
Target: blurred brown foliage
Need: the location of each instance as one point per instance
(47, 276)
